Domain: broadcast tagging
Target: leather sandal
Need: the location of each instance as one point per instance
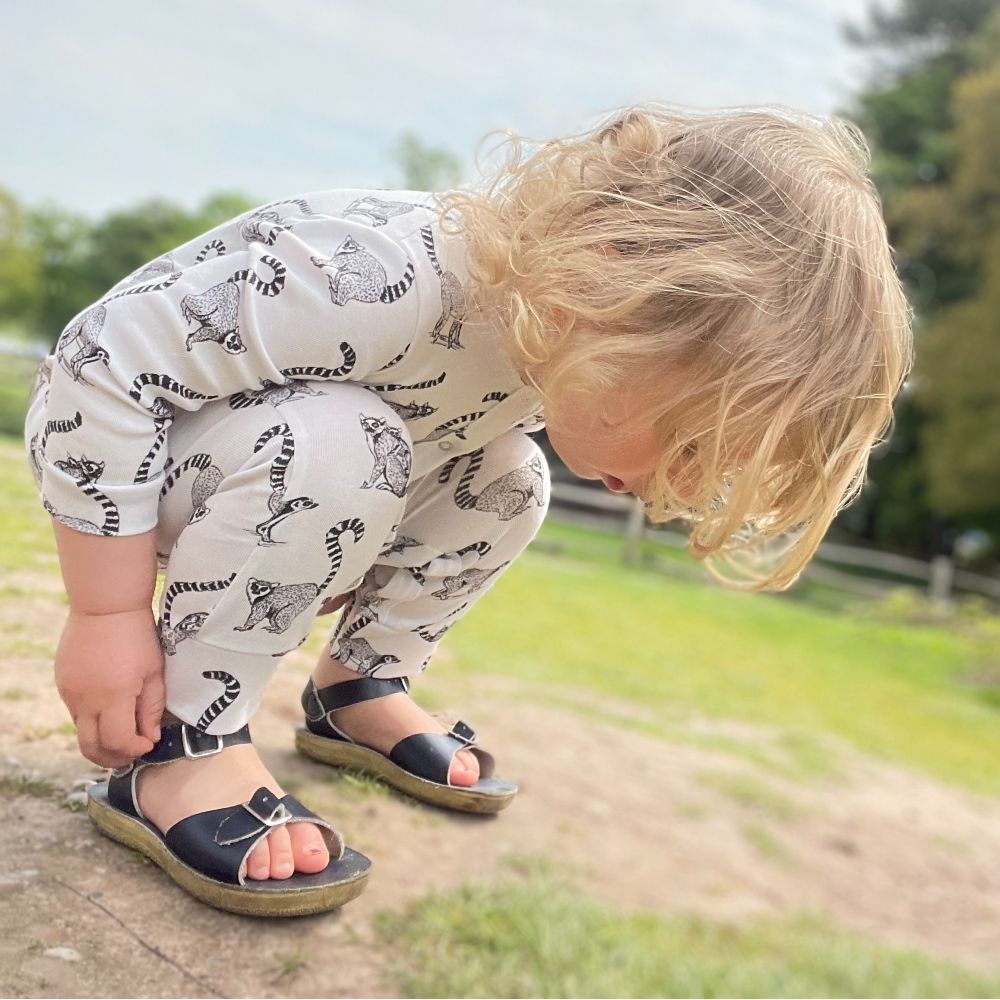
(207, 853)
(417, 765)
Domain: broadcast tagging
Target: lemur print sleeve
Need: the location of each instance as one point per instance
(239, 312)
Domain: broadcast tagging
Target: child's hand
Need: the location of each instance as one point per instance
(109, 672)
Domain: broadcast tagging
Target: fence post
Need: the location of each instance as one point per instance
(635, 528)
(941, 578)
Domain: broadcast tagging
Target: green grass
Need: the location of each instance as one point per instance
(676, 648)
(539, 938)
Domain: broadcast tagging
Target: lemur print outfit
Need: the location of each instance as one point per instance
(294, 401)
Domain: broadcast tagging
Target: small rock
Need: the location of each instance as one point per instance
(84, 782)
(76, 798)
(66, 954)
(28, 873)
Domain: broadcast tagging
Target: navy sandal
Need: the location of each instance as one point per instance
(207, 853)
(417, 764)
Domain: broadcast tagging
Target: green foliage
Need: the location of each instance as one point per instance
(425, 168)
(540, 938)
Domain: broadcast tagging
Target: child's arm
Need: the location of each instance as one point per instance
(109, 665)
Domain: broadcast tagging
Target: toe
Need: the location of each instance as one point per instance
(259, 862)
(464, 768)
(308, 849)
(282, 862)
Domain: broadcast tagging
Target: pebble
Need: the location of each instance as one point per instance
(66, 954)
(77, 798)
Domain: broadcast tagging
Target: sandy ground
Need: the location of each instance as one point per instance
(673, 826)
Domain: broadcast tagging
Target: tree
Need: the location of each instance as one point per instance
(20, 265)
(425, 168)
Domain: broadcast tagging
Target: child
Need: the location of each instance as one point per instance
(325, 401)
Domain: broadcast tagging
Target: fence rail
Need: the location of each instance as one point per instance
(940, 577)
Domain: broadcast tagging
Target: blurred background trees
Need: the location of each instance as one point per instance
(931, 112)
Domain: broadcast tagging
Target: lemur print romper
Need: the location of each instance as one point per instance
(294, 402)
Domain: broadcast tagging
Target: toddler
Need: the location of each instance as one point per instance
(326, 402)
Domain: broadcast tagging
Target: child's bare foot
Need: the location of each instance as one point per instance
(382, 722)
(171, 792)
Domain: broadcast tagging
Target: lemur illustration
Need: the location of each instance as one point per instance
(428, 636)
(264, 225)
(280, 507)
(349, 648)
(452, 298)
(43, 377)
(467, 582)
(399, 545)
(394, 386)
(228, 696)
(391, 453)
(280, 603)
(292, 388)
(395, 361)
(358, 274)
(86, 330)
(160, 266)
(170, 635)
(163, 416)
(217, 308)
(36, 449)
(86, 473)
(459, 425)
(507, 496)
(412, 410)
(379, 211)
(204, 485)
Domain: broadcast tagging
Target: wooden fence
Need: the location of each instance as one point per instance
(831, 564)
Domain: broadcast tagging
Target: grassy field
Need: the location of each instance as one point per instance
(663, 649)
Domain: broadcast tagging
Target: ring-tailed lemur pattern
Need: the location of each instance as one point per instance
(392, 455)
(189, 625)
(86, 332)
(466, 582)
(348, 648)
(43, 377)
(452, 298)
(379, 211)
(429, 636)
(163, 416)
(359, 275)
(279, 507)
(86, 472)
(395, 361)
(393, 386)
(280, 603)
(228, 696)
(272, 393)
(507, 496)
(217, 309)
(401, 543)
(411, 410)
(37, 450)
(160, 266)
(252, 227)
(203, 486)
(459, 425)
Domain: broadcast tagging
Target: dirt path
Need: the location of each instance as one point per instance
(638, 821)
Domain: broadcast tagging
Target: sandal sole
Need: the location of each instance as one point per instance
(341, 754)
(315, 893)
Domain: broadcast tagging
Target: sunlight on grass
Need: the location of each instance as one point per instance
(539, 938)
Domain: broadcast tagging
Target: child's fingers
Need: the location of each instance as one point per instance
(116, 730)
(149, 707)
(90, 744)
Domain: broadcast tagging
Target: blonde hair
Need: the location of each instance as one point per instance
(752, 257)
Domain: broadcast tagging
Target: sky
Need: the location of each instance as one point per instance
(106, 104)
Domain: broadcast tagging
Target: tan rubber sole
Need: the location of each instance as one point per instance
(283, 900)
(338, 754)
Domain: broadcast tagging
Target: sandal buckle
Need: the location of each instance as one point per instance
(194, 754)
(278, 815)
(464, 732)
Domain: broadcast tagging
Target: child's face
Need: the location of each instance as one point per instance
(619, 451)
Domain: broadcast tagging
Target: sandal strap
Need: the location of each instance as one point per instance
(217, 842)
(429, 755)
(179, 740)
(319, 702)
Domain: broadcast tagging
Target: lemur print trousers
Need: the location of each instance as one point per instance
(267, 510)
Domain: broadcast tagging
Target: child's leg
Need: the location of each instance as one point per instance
(463, 525)
(266, 511)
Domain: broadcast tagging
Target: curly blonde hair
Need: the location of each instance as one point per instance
(752, 257)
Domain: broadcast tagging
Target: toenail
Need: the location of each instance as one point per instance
(262, 871)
